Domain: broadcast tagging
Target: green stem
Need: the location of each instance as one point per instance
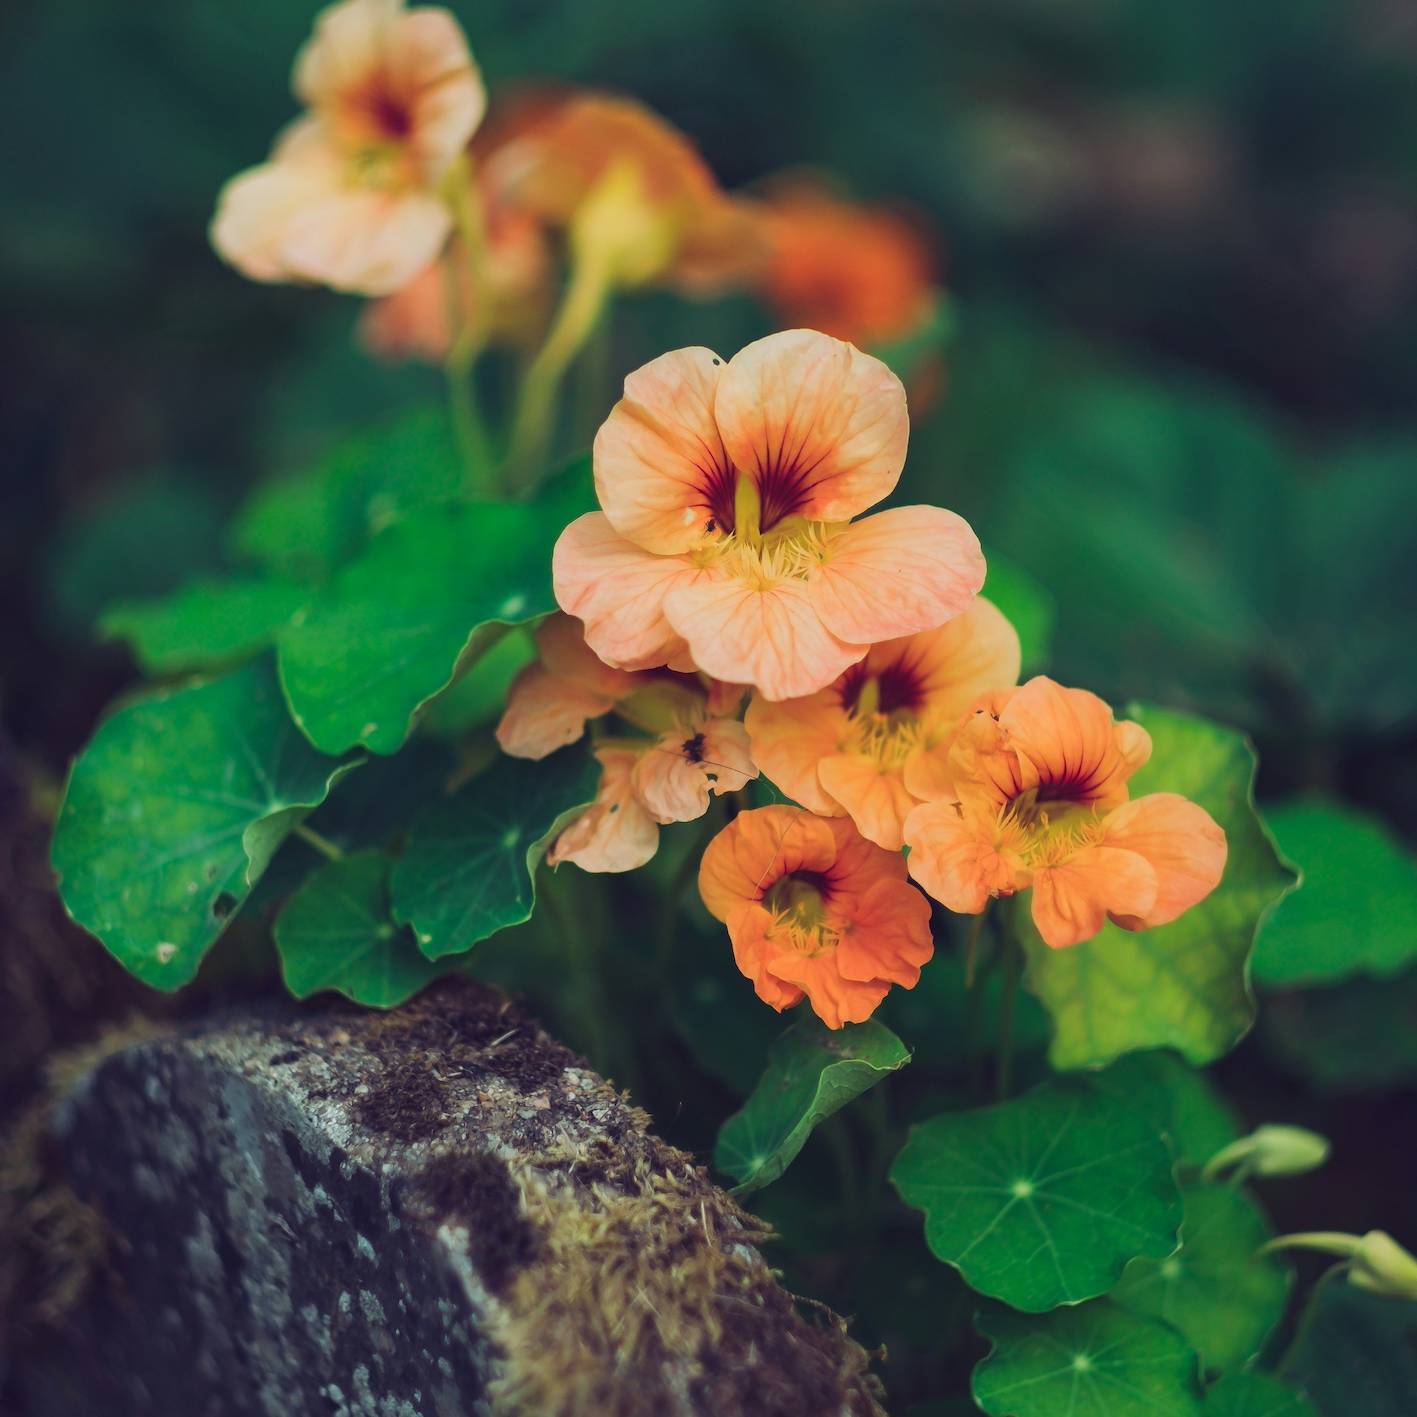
(1013, 973)
(1306, 1320)
(971, 947)
(581, 307)
(581, 945)
(592, 378)
(322, 844)
(479, 464)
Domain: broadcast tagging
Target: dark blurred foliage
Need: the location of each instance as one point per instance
(1182, 239)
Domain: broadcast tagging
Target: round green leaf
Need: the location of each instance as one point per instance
(1043, 1200)
(336, 933)
(468, 869)
(1354, 1037)
(1091, 1361)
(1176, 1099)
(812, 1072)
(305, 526)
(1255, 1395)
(396, 625)
(1356, 912)
(174, 810)
(1214, 1290)
(205, 625)
(1183, 985)
(1358, 1356)
(479, 696)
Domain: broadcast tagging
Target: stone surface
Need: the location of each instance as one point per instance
(433, 1212)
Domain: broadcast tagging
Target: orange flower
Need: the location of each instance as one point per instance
(1040, 799)
(695, 748)
(619, 178)
(874, 744)
(861, 273)
(813, 908)
(350, 195)
(726, 538)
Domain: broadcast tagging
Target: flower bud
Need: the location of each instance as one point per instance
(1382, 1266)
(622, 228)
(1270, 1150)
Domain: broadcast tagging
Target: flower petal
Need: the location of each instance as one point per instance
(875, 797)
(790, 737)
(1073, 898)
(1069, 743)
(758, 848)
(561, 646)
(661, 474)
(619, 590)
(748, 930)
(428, 62)
(674, 778)
(888, 936)
(545, 712)
(615, 833)
(961, 857)
(1184, 846)
(898, 573)
(771, 638)
(835, 999)
(820, 427)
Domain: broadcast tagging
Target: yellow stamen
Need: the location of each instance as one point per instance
(747, 511)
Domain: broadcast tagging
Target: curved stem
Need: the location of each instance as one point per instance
(322, 844)
(470, 322)
(581, 306)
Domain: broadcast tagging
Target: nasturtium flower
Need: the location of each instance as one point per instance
(351, 194)
(1038, 798)
(862, 273)
(725, 538)
(687, 745)
(631, 192)
(422, 320)
(874, 744)
(814, 909)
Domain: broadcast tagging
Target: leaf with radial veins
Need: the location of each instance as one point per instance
(1215, 1290)
(468, 869)
(204, 625)
(1182, 985)
(812, 1072)
(175, 809)
(1094, 1359)
(1356, 912)
(1255, 1395)
(1176, 1099)
(336, 933)
(1043, 1200)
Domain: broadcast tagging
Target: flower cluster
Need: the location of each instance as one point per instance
(738, 606)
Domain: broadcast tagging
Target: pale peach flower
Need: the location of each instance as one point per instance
(350, 196)
(694, 748)
(725, 536)
(617, 832)
(874, 744)
(814, 909)
(1040, 799)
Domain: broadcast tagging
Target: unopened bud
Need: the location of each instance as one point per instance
(1381, 1265)
(622, 229)
(1270, 1150)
